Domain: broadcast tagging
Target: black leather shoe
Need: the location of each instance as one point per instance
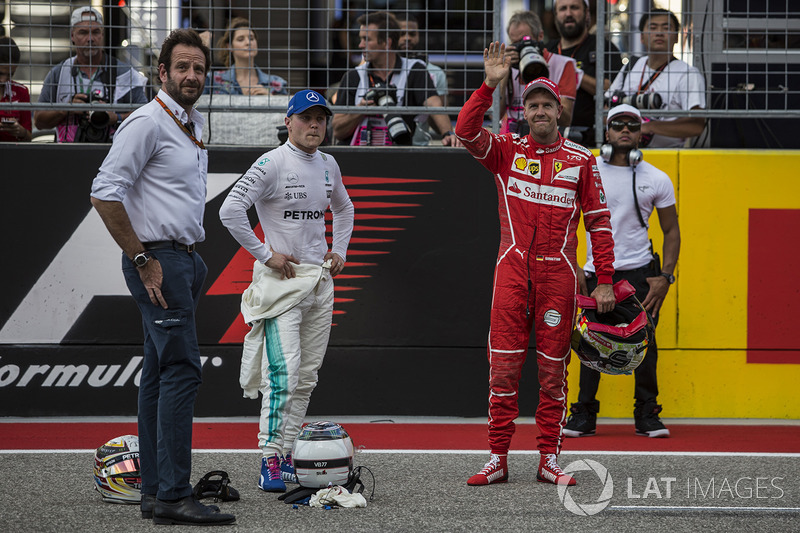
(189, 512)
(148, 501)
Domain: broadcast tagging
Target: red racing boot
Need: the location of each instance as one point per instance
(495, 471)
(550, 472)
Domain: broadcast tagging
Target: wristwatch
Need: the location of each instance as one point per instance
(670, 277)
(141, 259)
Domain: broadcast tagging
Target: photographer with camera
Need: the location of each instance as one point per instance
(385, 79)
(529, 60)
(89, 76)
(661, 81)
(573, 20)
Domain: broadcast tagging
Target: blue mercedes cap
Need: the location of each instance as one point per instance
(305, 99)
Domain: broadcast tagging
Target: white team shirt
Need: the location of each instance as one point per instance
(680, 85)
(291, 191)
(654, 190)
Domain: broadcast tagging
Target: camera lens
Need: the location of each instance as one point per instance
(385, 100)
(648, 101)
(99, 119)
(531, 62)
(398, 129)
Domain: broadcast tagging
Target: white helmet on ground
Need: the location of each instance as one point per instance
(322, 454)
(116, 470)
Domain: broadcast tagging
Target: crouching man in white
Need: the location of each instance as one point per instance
(290, 302)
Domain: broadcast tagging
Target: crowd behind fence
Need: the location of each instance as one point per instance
(747, 51)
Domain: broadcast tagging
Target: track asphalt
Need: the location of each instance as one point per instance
(419, 490)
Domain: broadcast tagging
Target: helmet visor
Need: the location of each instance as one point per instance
(128, 467)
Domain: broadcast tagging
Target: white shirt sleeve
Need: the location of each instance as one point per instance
(665, 193)
(256, 183)
(133, 146)
(616, 84)
(695, 95)
(343, 214)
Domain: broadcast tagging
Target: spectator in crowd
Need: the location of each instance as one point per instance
(15, 124)
(408, 47)
(237, 49)
(385, 73)
(677, 84)
(561, 69)
(409, 41)
(573, 20)
(622, 173)
(90, 75)
(544, 182)
(151, 194)
(295, 267)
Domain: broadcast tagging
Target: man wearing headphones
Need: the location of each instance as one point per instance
(90, 75)
(633, 188)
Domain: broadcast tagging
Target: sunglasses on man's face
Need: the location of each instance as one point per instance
(619, 125)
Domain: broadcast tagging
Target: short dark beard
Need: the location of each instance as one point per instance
(174, 91)
(580, 27)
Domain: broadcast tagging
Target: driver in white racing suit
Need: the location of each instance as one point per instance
(291, 187)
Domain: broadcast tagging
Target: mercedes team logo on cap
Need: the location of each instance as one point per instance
(312, 97)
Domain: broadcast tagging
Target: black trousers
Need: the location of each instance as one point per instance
(645, 374)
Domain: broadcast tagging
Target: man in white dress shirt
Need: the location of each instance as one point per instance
(291, 187)
(150, 192)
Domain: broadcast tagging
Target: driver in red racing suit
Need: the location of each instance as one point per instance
(543, 183)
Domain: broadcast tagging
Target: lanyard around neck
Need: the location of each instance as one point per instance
(182, 126)
(574, 48)
(656, 74)
(79, 79)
